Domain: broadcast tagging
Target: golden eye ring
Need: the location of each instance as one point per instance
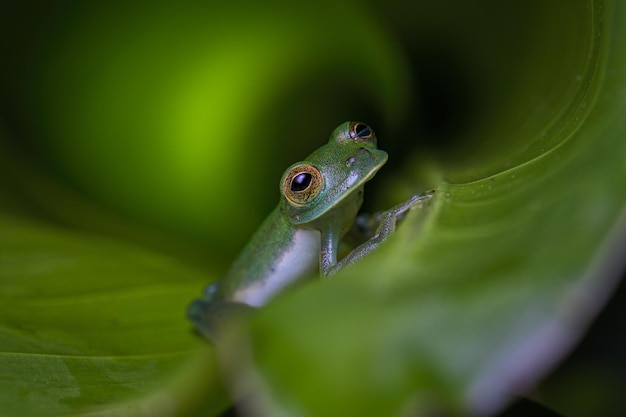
(301, 184)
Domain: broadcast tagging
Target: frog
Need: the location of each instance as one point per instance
(320, 198)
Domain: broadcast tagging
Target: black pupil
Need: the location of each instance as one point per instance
(300, 182)
(362, 130)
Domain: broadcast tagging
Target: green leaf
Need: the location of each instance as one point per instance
(89, 324)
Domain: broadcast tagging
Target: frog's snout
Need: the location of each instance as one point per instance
(360, 154)
(365, 153)
(367, 157)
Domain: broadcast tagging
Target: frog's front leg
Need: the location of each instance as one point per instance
(388, 219)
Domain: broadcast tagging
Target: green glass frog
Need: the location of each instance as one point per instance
(320, 198)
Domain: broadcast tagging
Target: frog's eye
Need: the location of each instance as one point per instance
(302, 184)
(361, 132)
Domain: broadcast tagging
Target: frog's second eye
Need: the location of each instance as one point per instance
(302, 184)
(361, 132)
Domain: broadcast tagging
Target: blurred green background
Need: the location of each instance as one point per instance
(161, 111)
(144, 142)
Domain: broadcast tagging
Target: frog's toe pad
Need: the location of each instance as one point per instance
(209, 317)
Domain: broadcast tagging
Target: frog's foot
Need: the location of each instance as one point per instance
(366, 225)
(210, 317)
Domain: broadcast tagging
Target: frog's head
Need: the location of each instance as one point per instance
(332, 175)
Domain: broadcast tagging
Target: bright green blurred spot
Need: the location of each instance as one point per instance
(170, 115)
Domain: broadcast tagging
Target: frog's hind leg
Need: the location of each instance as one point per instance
(209, 317)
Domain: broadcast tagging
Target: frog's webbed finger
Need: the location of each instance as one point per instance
(398, 212)
(366, 225)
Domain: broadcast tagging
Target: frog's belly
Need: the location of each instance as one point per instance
(299, 260)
